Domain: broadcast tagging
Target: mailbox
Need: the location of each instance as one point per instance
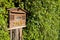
(17, 18)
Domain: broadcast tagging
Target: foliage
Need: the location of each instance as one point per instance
(4, 4)
(42, 21)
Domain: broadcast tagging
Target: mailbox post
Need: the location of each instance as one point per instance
(17, 20)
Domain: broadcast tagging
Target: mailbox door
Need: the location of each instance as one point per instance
(20, 19)
(17, 20)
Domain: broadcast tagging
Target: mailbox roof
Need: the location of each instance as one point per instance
(17, 10)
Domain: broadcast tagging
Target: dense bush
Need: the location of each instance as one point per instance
(42, 21)
(4, 4)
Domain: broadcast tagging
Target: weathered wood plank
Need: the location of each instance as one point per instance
(16, 27)
(16, 35)
(11, 34)
(20, 33)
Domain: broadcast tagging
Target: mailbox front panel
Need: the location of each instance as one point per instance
(17, 20)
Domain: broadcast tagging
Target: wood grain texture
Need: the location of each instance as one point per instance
(21, 34)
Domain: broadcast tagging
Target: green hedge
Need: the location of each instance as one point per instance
(42, 21)
(4, 4)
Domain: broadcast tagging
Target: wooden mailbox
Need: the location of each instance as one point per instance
(17, 18)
